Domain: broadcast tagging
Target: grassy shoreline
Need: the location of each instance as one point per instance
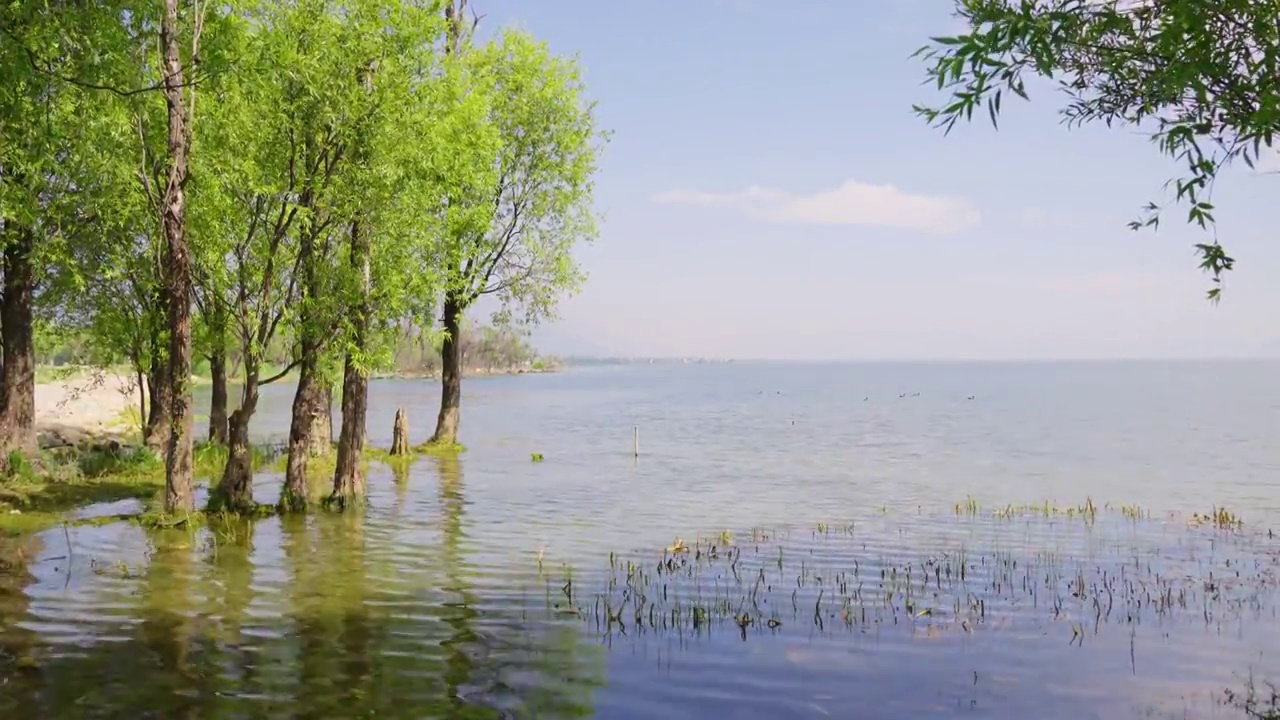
(42, 492)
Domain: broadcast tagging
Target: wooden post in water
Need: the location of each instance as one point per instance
(635, 440)
(400, 434)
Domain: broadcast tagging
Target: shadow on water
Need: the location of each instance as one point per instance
(316, 617)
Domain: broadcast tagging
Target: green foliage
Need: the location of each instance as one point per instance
(345, 175)
(210, 458)
(513, 223)
(1199, 75)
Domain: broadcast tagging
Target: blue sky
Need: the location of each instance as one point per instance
(767, 193)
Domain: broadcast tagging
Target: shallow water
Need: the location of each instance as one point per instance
(450, 596)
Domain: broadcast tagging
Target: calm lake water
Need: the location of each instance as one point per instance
(847, 549)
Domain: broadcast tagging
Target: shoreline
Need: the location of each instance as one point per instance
(89, 406)
(473, 372)
(79, 405)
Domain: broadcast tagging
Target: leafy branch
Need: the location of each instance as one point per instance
(1202, 76)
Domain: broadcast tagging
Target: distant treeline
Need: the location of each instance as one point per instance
(485, 349)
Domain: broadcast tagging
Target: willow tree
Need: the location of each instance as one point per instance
(374, 74)
(256, 174)
(1198, 75)
(415, 147)
(44, 73)
(108, 279)
(326, 104)
(537, 202)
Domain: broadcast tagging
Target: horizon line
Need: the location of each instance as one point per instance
(707, 359)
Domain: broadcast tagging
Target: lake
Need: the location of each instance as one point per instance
(794, 540)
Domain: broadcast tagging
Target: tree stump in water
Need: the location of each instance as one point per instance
(400, 435)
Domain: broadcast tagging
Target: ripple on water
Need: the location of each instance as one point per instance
(455, 605)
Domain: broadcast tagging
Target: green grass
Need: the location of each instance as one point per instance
(211, 459)
(432, 447)
(38, 491)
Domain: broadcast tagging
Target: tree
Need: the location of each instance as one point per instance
(179, 98)
(1199, 75)
(35, 109)
(420, 122)
(257, 179)
(325, 110)
(375, 76)
(511, 232)
(60, 64)
(211, 302)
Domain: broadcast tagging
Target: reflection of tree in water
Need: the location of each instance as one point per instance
(400, 475)
(228, 568)
(16, 642)
(337, 635)
(157, 664)
(328, 618)
(458, 609)
(486, 662)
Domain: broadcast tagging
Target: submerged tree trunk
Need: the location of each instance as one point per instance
(400, 434)
(450, 374)
(308, 398)
(306, 406)
(179, 461)
(235, 491)
(218, 397)
(348, 480)
(17, 332)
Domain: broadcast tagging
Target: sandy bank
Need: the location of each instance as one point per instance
(97, 405)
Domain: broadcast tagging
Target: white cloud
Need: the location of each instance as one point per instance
(852, 203)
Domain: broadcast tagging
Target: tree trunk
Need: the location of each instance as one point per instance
(156, 434)
(218, 401)
(142, 398)
(400, 434)
(450, 374)
(235, 491)
(179, 462)
(17, 332)
(306, 406)
(322, 426)
(348, 480)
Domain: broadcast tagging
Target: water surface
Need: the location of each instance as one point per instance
(489, 585)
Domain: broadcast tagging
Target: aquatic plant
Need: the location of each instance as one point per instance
(826, 581)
